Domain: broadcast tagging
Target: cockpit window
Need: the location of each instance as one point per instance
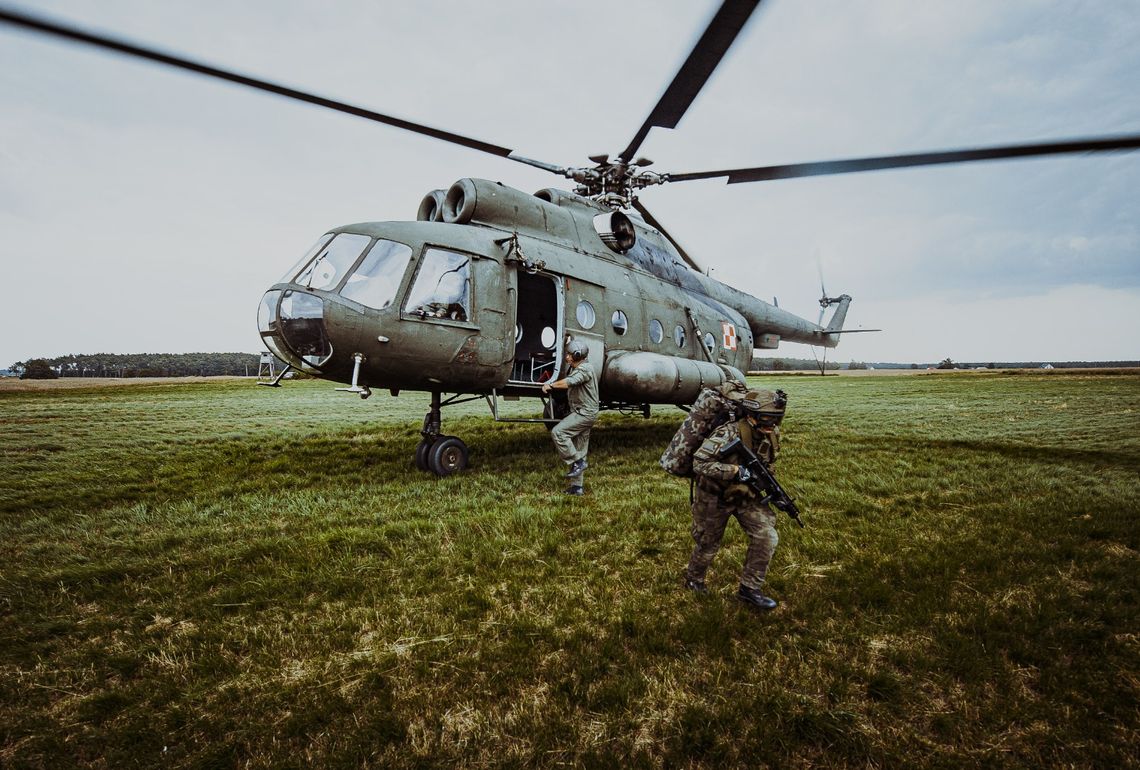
(443, 286)
(377, 279)
(320, 244)
(332, 261)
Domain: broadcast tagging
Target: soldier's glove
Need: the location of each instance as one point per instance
(743, 474)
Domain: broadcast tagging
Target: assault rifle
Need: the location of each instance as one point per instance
(756, 475)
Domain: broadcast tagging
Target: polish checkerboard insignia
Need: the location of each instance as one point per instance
(729, 331)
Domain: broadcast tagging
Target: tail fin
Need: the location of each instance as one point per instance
(836, 323)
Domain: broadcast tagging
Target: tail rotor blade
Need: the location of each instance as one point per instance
(823, 300)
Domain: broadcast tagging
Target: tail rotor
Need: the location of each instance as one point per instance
(825, 301)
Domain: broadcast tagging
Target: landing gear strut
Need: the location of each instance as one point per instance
(440, 454)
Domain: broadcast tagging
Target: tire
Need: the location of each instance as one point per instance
(422, 450)
(448, 455)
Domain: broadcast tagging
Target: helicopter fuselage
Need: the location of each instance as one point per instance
(486, 302)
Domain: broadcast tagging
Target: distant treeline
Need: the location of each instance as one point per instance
(805, 364)
(1031, 365)
(790, 365)
(214, 364)
(142, 365)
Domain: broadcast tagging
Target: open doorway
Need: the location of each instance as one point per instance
(538, 331)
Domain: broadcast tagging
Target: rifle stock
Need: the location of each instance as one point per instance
(762, 481)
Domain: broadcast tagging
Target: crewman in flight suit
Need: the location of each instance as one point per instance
(720, 494)
(572, 434)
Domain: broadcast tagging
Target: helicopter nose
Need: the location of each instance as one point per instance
(293, 326)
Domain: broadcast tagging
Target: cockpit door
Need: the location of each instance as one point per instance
(495, 300)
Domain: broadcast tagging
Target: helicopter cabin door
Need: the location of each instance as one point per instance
(585, 303)
(538, 329)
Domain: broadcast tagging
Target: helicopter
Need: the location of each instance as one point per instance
(479, 295)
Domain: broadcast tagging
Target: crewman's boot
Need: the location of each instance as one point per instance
(696, 586)
(575, 489)
(577, 468)
(753, 598)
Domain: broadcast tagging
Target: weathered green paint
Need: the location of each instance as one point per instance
(554, 231)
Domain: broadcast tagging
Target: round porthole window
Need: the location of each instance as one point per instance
(548, 338)
(679, 335)
(656, 331)
(518, 333)
(710, 343)
(585, 314)
(620, 322)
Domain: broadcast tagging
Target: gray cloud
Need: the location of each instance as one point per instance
(146, 209)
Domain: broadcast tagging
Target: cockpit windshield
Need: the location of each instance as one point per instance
(377, 280)
(443, 286)
(312, 252)
(326, 269)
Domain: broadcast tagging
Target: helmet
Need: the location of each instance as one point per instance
(578, 350)
(766, 406)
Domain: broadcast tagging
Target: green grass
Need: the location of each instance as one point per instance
(224, 575)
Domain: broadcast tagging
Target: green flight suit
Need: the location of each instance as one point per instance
(572, 434)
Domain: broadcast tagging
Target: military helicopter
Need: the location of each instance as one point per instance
(479, 295)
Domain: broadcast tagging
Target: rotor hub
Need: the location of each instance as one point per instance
(613, 183)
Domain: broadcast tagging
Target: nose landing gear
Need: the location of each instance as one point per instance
(444, 456)
(440, 454)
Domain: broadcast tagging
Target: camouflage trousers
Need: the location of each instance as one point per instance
(710, 516)
(572, 436)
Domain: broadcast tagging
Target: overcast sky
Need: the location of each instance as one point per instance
(144, 209)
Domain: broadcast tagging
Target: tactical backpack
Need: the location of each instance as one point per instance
(713, 408)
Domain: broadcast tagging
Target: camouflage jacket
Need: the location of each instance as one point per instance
(715, 473)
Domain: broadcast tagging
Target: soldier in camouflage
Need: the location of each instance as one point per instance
(711, 409)
(720, 494)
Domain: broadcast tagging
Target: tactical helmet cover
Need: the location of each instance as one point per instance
(766, 405)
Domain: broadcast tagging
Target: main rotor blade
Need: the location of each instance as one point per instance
(854, 165)
(652, 222)
(75, 34)
(691, 78)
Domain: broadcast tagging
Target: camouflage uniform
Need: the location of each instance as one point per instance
(718, 496)
(711, 409)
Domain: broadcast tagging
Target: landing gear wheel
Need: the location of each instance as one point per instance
(447, 455)
(422, 450)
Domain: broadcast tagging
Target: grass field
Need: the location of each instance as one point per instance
(218, 575)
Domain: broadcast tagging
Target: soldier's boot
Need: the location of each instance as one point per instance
(575, 489)
(577, 468)
(753, 598)
(696, 586)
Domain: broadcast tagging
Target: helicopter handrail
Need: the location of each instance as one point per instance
(493, 403)
(700, 335)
